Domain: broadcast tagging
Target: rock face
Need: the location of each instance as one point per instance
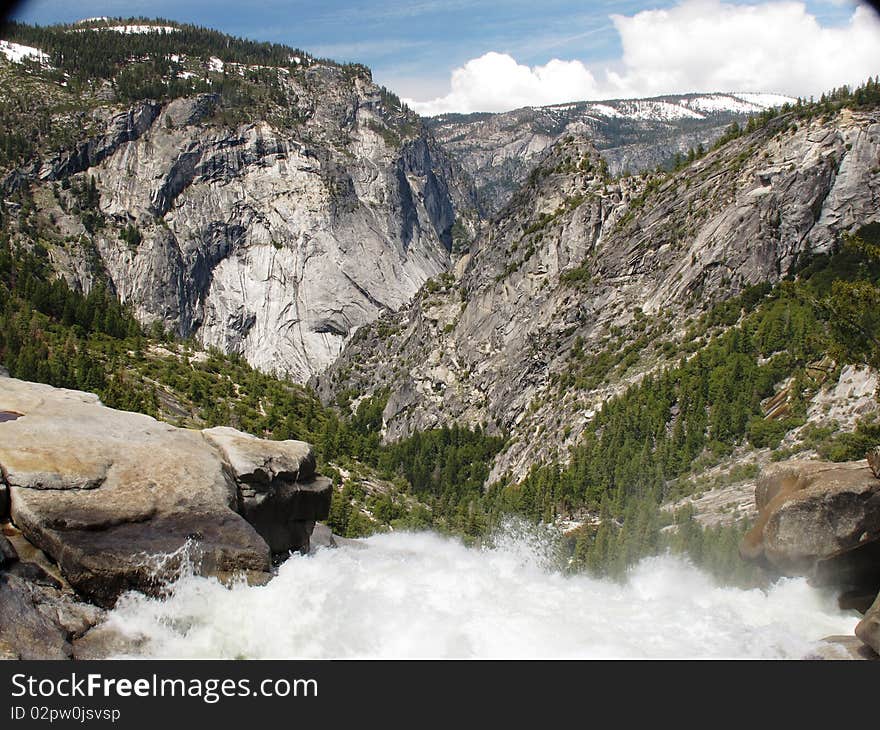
(575, 257)
(280, 494)
(40, 617)
(499, 150)
(121, 500)
(8, 555)
(810, 511)
(271, 240)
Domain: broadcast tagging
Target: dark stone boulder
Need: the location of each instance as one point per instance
(39, 621)
(102, 561)
(8, 554)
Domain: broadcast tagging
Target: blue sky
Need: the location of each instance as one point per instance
(414, 46)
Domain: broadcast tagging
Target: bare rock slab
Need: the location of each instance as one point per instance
(110, 494)
(257, 461)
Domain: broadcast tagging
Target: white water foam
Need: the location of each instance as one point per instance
(421, 595)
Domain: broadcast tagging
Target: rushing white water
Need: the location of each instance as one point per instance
(421, 595)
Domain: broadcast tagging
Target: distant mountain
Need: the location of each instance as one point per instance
(247, 195)
(584, 283)
(632, 135)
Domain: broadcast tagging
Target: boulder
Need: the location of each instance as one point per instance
(280, 495)
(25, 632)
(259, 462)
(119, 500)
(868, 629)
(8, 555)
(322, 537)
(38, 621)
(810, 511)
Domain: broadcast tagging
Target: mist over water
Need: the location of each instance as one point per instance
(423, 595)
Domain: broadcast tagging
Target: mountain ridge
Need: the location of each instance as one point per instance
(651, 245)
(226, 202)
(500, 149)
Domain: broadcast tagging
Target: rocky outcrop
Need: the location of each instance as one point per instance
(8, 555)
(811, 511)
(122, 502)
(121, 128)
(40, 616)
(822, 520)
(280, 495)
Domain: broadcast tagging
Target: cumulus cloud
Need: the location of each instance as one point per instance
(697, 45)
(496, 82)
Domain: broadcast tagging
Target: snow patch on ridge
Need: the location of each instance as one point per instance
(662, 110)
(16, 52)
(765, 100)
(130, 29)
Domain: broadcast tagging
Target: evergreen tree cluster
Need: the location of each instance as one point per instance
(89, 51)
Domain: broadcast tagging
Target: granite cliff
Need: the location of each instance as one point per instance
(265, 210)
(578, 258)
(633, 135)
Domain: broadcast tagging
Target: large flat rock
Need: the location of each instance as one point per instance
(257, 461)
(110, 495)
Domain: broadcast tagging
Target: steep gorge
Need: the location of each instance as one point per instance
(580, 262)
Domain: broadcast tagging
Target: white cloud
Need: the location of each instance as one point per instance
(496, 82)
(697, 45)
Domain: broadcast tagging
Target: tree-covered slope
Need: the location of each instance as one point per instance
(249, 195)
